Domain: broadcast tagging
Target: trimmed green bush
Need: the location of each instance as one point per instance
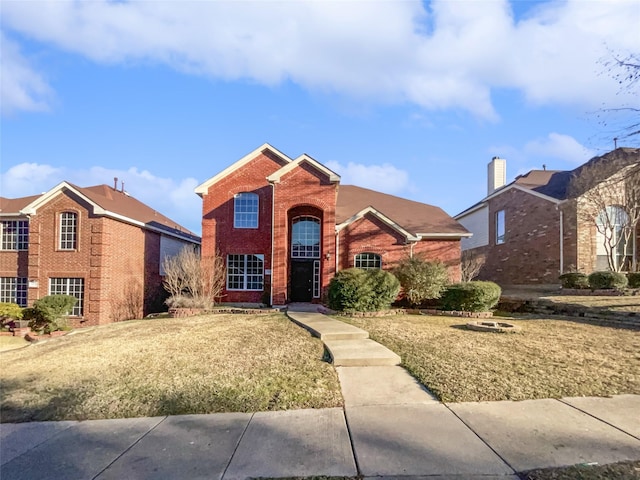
(422, 280)
(10, 311)
(634, 279)
(471, 296)
(574, 280)
(48, 313)
(607, 280)
(357, 290)
(385, 287)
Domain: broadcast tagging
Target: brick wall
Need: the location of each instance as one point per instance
(217, 217)
(369, 234)
(531, 252)
(119, 262)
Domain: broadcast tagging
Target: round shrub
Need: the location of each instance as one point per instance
(574, 280)
(385, 287)
(634, 279)
(607, 280)
(471, 296)
(422, 280)
(357, 290)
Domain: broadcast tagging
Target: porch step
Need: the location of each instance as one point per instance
(360, 353)
(326, 328)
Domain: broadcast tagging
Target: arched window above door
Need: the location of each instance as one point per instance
(305, 237)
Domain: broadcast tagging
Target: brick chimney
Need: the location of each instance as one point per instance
(496, 174)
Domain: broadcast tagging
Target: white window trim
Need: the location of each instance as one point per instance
(79, 306)
(21, 240)
(245, 275)
(379, 257)
(75, 232)
(257, 198)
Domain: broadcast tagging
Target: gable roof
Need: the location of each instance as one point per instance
(304, 158)
(104, 200)
(556, 185)
(406, 216)
(204, 186)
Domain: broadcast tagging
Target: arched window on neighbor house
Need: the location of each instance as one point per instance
(614, 242)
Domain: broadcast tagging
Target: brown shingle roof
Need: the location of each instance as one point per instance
(414, 217)
(113, 201)
(12, 206)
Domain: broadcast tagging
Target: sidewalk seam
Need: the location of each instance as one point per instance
(481, 439)
(129, 448)
(597, 418)
(353, 447)
(233, 454)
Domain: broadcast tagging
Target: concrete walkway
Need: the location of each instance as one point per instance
(390, 427)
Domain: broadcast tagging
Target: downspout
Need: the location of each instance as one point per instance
(337, 250)
(273, 224)
(561, 240)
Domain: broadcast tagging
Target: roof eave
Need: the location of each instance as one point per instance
(203, 188)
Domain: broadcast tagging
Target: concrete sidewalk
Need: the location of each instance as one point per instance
(489, 440)
(390, 426)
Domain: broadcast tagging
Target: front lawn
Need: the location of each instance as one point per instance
(217, 363)
(548, 359)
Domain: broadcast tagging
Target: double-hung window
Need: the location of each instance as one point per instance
(15, 235)
(69, 286)
(245, 272)
(245, 210)
(368, 261)
(68, 231)
(13, 290)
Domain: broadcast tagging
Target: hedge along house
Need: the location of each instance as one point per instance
(285, 226)
(548, 222)
(97, 244)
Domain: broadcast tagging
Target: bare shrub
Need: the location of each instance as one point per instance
(129, 304)
(470, 264)
(189, 276)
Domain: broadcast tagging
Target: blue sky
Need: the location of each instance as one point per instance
(409, 98)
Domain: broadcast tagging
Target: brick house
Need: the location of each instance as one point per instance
(96, 243)
(538, 226)
(285, 226)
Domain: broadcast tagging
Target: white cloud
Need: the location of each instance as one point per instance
(172, 197)
(559, 146)
(383, 178)
(21, 87)
(439, 55)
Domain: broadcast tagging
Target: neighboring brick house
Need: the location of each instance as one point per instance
(96, 243)
(285, 226)
(536, 227)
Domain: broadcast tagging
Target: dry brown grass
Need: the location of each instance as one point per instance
(615, 304)
(548, 359)
(11, 343)
(216, 363)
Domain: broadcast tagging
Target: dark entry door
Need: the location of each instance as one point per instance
(301, 281)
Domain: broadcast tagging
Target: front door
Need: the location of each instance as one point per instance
(301, 280)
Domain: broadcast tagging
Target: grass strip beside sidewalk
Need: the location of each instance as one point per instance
(207, 364)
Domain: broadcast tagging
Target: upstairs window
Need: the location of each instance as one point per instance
(368, 261)
(500, 227)
(68, 231)
(305, 237)
(245, 210)
(15, 234)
